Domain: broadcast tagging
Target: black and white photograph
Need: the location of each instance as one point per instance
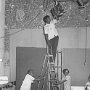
(44, 44)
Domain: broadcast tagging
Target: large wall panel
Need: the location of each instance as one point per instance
(28, 57)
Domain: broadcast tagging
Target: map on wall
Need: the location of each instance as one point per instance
(29, 14)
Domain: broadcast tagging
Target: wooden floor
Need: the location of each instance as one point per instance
(72, 88)
(77, 88)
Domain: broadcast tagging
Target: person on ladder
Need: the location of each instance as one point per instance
(51, 35)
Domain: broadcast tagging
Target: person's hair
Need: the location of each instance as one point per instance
(64, 70)
(45, 18)
(29, 71)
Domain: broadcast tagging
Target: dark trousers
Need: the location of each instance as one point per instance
(52, 48)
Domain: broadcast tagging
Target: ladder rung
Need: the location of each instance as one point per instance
(51, 63)
(49, 55)
(52, 70)
(57, 66)
(53, 80)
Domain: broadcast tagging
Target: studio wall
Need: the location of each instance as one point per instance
(77, 60)
(71, 37)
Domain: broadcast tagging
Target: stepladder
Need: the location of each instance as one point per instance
(51, 70)
(51, 74)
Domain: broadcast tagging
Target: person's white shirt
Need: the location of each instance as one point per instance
(50, 29)
(88, 85)
(26, 84)
(67, 83)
